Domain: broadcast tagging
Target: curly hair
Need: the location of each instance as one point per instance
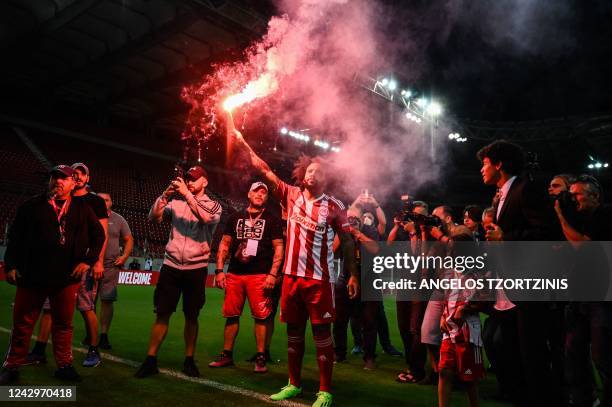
(299, 169)
(512, 156)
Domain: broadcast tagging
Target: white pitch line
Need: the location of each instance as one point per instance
(179, 375)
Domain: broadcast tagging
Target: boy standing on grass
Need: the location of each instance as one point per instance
(461, 350)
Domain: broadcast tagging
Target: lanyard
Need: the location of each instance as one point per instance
(61, 218)
(251, 220)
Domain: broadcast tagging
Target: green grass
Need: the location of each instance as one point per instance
(112, 383)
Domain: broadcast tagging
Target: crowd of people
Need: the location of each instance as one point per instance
(66, 247)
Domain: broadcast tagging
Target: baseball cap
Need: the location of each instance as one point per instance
(63, 170)
(195, 173)
(256, 185)
(81, 166)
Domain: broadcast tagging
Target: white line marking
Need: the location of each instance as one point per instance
(178, 375)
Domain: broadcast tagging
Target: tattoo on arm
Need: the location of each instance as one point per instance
(223, 250)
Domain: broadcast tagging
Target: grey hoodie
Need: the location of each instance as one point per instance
(190, 237)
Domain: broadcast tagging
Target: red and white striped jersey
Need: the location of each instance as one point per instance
(311, 227)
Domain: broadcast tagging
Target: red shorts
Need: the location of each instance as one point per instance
(463, 358)
(240, 286)
(303, 298)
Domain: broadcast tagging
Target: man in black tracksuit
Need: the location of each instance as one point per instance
(53, 240)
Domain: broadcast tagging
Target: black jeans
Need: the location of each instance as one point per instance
(365, 312)
(589, 327)
(517, 344)
(382, 327)
(500, 338)
(409, 320)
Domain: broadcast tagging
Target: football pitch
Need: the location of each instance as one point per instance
(112, 383)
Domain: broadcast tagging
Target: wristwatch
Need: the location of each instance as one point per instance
(217, 271)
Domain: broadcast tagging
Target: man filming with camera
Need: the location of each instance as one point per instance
(194, 217)
(588, 324)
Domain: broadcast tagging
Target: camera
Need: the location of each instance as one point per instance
(179, 170)
(406, 214)
(566, 202)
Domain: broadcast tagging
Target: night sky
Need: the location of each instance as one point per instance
(510, 60)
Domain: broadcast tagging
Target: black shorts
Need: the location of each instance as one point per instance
(172, 283)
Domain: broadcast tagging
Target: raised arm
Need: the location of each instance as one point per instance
(260, 165)
(156, 214)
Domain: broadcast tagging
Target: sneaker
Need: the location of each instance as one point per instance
(357, 350)
(369, 364)
(8, 376)
(324, 399)
(35, 359)
(68, 373)
(148, 368)
(222, 360)
(104, 343)
(92, 359)
(287, 392)
(266, 353)
(190, 368)
(260, 364)
(392, 351)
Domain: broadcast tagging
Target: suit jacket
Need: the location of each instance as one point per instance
(526, 212)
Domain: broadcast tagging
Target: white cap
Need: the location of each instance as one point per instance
(258, 184)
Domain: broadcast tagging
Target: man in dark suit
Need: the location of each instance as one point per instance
(521, 214)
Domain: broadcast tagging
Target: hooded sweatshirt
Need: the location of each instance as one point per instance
(191, 236)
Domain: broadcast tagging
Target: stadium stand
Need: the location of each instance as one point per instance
(134, 181)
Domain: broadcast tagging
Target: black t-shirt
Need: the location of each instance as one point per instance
(96, 204)
(591, 273)
(263, 230)
(596, 226)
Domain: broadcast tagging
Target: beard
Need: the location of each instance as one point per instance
(257, 205)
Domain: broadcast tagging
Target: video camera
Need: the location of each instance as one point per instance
(407, 214)
(567, 203)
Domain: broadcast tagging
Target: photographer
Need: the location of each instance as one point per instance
(407, 225)
(589, 324)
(346, 308)
(368, 204)
(558, 191)
(194, 219)
(560, 183)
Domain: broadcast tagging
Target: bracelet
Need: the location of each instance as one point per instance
(218, 271)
